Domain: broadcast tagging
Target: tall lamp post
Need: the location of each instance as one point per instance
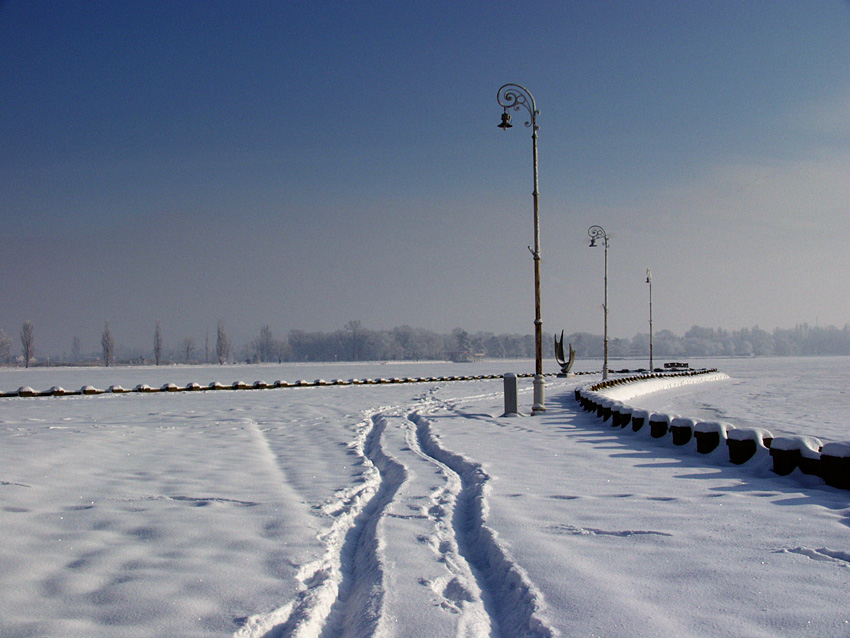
(649, 281)
(597, 232)
(514, 96)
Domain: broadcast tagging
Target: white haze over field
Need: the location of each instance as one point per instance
(406, 510)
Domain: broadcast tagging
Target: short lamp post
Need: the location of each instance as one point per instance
(649, 281)
(514, 96)
(597, 232)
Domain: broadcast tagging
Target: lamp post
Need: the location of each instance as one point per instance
(597, 232)
(514, 96)
(649, 281)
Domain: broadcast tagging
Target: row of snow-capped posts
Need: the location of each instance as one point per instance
(830, 461)
(87, 390)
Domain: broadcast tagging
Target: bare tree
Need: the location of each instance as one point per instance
(354, 328)
(207, 347)
(188, 348)
(108, 345)
(27, 342)
(222, 345)
(157, 344)
(264, 346)
(281, 350)
(76, 350)
(5, 346)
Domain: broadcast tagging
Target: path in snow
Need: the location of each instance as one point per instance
(408, 547)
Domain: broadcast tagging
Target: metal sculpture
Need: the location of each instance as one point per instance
(566, 363)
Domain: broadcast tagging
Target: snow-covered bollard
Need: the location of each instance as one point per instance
(607, 409)
(616, 406)
(624, 415)
(193, 387)
(600, 401)
(90, 389)
(639, 419)
(810, 460)
(682, 430)
(659, 424)
(709, 434)
(511, 401)
(170, 387)
(144, 387)
(59, 391)
(261, 385)
(588, 401)
(26, 391)
(835, 464)
(743, 443)
(615, 413)
(117, 389)
(787, 453)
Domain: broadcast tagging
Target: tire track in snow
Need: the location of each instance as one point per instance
(514, 603)
(358, 609)
(423, 551)
(341, 594)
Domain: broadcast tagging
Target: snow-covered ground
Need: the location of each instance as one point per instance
(398, 510)
(807, 396)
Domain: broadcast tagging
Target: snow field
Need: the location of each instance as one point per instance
(396, 510)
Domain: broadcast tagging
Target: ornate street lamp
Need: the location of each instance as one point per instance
(597, 232)
(514, 96)
(649, 281)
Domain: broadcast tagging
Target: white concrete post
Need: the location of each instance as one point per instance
(511, 401)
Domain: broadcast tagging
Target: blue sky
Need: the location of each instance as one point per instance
(304, 164)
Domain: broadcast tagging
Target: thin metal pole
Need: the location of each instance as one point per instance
(649, 281)
(597, 232)
(539, 401)
(605, 313)
(512, 96)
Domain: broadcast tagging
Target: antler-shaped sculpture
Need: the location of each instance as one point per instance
(565, 363)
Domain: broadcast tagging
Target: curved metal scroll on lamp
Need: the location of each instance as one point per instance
(565, 363)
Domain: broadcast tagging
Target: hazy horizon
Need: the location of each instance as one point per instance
(800, 340)
(303, 165)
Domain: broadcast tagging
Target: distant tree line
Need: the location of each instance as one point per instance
(354, 342)
(801, 340)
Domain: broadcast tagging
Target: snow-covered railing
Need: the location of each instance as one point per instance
(57, 391)
(830, 461)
